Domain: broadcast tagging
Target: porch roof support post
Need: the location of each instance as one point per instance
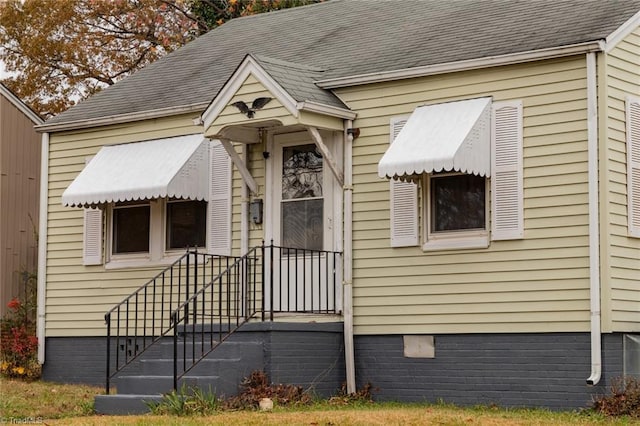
(242, 167)
(326, 154)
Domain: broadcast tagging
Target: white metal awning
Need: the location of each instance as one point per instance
(171, 167)
(453, 136)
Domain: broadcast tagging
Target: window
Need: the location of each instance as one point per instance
(131, 226)
(458, 202)
(455, 209)
(302, 203)
(155, 230)
(186, 224)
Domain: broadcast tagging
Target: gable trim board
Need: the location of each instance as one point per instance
(250, 66)
(622, 32)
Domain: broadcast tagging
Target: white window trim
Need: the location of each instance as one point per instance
(454, 240)
(158, 254)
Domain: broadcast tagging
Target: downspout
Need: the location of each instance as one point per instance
(594, 236)
(42, 244)
(347, 288)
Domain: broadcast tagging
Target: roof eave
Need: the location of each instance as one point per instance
(121, 118)
(622, 32)
(326, 110)
(471, 64)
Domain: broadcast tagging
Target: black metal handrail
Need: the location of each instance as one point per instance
(215, 311)
(208, 297)
(144, 316)
(268, 279)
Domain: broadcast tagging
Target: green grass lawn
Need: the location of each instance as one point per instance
(51, 403)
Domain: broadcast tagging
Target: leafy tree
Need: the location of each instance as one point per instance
(70, 49)
(63, 51)
(212, 13)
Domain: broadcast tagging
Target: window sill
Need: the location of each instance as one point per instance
(141, 262)
(477, 241)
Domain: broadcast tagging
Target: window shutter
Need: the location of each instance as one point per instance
(507, 220)
(92, 244)
(92, 234)
(219, 206)
(404, 202)
(633, 166)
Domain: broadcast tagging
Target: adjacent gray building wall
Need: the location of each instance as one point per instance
(544, 369)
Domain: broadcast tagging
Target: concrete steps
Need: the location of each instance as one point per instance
(146, 379)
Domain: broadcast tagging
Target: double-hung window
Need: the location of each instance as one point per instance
(154, 229)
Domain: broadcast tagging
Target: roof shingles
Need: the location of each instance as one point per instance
(342, 38)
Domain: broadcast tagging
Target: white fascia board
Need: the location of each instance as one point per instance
(622, 32)
(247, 67)
(326, 110)
(35, 118)
(471, 64)
(121, 118)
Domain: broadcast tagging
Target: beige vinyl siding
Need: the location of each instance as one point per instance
(78, 296)
(538, 284)
(622, 274)
(19, 197)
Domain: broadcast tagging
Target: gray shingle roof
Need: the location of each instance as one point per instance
(342, 38)
(298, 80)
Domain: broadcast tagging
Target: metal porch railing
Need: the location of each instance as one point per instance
(144, 317)
(205, 298)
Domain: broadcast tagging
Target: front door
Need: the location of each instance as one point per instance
(302, 220)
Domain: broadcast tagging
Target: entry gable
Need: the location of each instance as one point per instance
(265, 92)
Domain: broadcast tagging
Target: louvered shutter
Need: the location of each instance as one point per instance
(219, 206)
(92, 234)
(633, 165)
(404, 202)
(507, 219)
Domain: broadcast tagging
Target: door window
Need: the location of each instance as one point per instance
(302, 198)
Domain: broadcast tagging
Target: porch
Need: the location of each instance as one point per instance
(207, 321)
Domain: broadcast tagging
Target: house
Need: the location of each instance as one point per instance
(19, 196)
(441, 199)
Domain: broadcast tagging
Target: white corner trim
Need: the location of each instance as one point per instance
(326, 110)
(35, 118)
(471, 64)
(42, 247)
(248, 67)
(622, 32)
